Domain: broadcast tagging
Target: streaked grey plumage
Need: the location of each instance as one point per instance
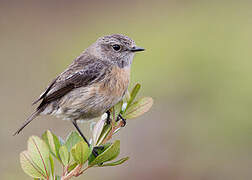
(92, 84)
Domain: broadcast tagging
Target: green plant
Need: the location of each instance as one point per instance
(74, 154)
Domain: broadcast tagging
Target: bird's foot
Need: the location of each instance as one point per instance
(123, 120)
(119, 117)
(97, 150)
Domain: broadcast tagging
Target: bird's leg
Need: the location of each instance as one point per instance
(123, 120)
(82, 135)
(99, 147)
(95, 149)
(108, 117)
(95, 152)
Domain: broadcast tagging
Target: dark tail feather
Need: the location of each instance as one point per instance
(32, 116)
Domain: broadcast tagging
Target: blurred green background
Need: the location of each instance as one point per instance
(197, 67)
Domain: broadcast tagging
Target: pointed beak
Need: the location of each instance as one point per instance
(136, 49)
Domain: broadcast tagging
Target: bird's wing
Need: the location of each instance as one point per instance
(79, 74)
(45, 92)
(91, 73)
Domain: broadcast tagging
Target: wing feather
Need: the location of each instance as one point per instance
(85, 77)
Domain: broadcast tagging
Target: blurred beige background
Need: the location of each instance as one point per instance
(197, 67)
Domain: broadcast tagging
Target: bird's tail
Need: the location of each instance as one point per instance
(29, 119)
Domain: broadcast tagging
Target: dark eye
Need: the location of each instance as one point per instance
(116, 47)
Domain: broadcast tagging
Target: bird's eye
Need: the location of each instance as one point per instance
(116, 47)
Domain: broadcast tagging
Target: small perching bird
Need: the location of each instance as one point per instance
(92, 84)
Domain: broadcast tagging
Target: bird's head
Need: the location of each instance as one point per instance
(117, 48)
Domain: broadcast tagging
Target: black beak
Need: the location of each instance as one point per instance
(136, 49)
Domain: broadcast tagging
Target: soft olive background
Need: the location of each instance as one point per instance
(197, 67)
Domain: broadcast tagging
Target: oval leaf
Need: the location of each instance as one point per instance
(116, 110)
(105, 131)
(133, 94)
(30, 167)
(39, 152)
(138, 108)
(127, 96)
(64, 155)
(38, 156)
(72, 139)
(51, 164)
(98, 129)
(53, 143)
(109, 154)
(61, 140)
(99, 151)
(71, 167)
(81, 152)
(115, 163)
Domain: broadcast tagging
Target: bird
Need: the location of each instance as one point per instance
(93, 83)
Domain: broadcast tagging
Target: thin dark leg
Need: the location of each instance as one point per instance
(94, 151)
(99, 147)
(82, 135)
(123, 120)
(108, 117)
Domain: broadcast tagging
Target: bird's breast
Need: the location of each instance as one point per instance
(115, 82)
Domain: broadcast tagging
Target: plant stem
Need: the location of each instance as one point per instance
(74, 172)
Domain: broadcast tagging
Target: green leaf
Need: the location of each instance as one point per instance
(81, 152)
(64, 155)
(127, 96)
(35, 161)
(72, 139)
(104, 133)
(39, 153)
(61, 140)
(30, 167)
(115, 163)
(138, 108)
(116, 110)
(99, 151)
(98, 130)
(57, 178)
(53, 143)
(72, 166)
(109, 154)
(133, 94)
(51, 164)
